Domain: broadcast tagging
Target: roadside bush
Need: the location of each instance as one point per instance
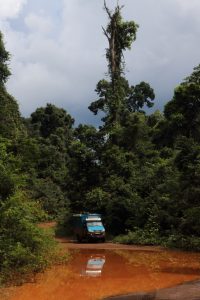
(190, 243)
(24, 248)
(140, 237)
(151, 237)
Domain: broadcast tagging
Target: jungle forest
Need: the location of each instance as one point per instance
(141, 171)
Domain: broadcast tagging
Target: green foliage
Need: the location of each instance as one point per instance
(194, 77)
(46, 157)
(51, 120)
(24, 248)
(140, 95)
(4, 58)
(89, 136)
(50, 196)
(10, 122)
(10, 177)
(97, 200)
(117, 98)
(84, 168)
(185, 242)
(140, 237)
(183, 111)
(120, 35)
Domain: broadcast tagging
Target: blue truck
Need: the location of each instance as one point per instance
(87, 226)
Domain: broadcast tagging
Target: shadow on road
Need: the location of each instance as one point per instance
(185, 291)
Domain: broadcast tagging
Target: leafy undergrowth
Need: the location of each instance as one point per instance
(139, 237)
(152, 237)
(180, 241)
(25, 249)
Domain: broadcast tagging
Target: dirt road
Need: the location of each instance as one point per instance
(68, 243)
(100, 270)
(184, 291)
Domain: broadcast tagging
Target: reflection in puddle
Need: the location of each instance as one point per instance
(95, 274)
(94, 266)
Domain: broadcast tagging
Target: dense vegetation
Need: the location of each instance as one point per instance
(24, 248)
(140, 170)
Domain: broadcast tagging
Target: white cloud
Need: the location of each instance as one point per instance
(39, 23)
(190, 5)
(60, 56)
(10, 8)
(39, 86)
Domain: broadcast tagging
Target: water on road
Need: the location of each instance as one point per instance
(97, 273)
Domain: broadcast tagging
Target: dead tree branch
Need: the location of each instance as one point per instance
(107, 10)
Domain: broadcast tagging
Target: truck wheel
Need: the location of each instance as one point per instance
(103, 240)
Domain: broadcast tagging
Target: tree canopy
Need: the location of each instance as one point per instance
(116, 97)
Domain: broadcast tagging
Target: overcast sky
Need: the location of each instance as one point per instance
(58, 49)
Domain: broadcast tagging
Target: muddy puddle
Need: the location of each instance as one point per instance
(95, 274)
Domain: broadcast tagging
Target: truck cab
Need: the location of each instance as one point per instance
(88, 227)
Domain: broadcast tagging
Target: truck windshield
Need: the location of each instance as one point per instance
(94, 223)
